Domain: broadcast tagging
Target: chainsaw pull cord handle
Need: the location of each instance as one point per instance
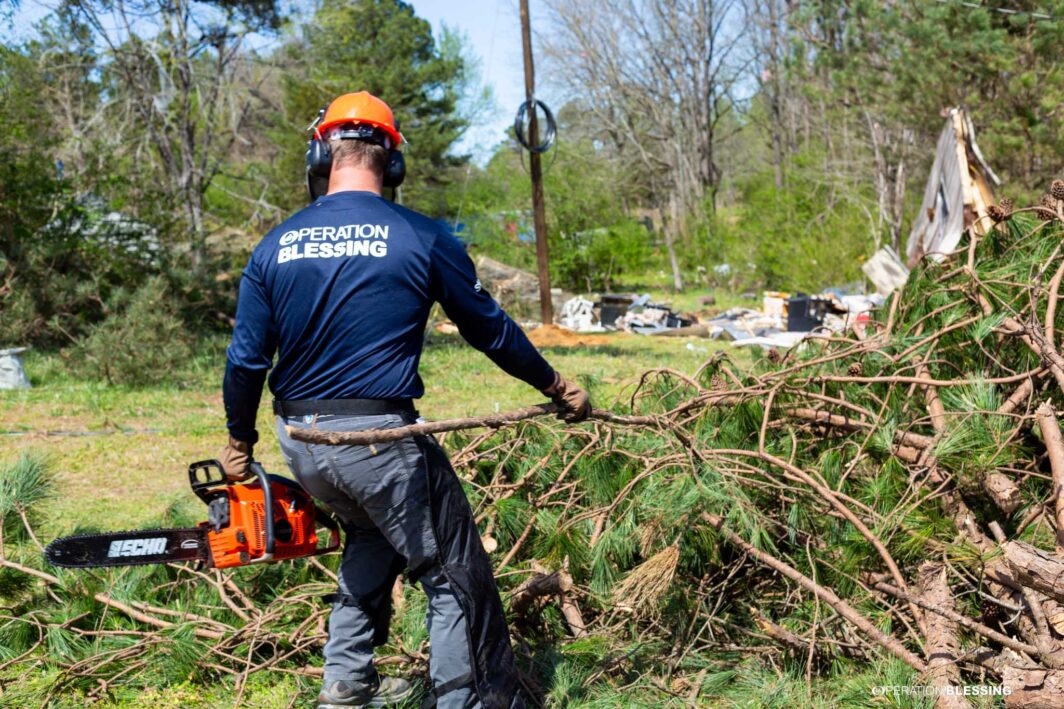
(267, 494)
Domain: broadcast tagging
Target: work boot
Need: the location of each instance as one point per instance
(378, 692)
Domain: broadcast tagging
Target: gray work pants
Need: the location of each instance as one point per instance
(401, 505)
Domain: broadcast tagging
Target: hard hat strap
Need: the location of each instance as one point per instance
(360, 131)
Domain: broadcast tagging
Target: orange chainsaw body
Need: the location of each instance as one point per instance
(250, 523)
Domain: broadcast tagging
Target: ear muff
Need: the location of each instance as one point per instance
(395, 169)
(319, 158)
(319, 165)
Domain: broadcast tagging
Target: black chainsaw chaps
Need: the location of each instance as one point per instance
(468, 570)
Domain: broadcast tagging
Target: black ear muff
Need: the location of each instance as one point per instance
(319, 158)
(319, 165)
(395, 170)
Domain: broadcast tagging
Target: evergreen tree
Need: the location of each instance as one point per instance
(383, 47)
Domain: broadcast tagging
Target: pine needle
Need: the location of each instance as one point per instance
(647, 583)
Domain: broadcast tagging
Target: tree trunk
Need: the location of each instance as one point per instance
(670, 225)
(1033, 688)
(942, 647)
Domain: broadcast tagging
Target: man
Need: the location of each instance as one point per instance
(341, 291)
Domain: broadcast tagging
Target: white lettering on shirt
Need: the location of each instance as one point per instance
(344, 241)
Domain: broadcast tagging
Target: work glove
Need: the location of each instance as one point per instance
(236, 459)
(574, 404)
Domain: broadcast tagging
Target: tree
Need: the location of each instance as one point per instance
(173, 93)
(657, 76)
(383, 47)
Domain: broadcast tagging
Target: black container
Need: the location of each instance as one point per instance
(805, 313)
(612, 307)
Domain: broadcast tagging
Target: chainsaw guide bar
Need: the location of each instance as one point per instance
(143, 546)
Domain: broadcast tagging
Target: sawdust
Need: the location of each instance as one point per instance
(555, 336)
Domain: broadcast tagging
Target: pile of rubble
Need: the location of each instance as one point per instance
(783, 321)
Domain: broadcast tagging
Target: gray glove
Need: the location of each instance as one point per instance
(573, 402)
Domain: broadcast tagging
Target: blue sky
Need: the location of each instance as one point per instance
(493, 30)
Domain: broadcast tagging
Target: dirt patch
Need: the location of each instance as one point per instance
(554, 336)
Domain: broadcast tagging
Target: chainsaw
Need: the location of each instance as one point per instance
(268, 518)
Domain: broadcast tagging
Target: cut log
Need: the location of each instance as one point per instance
(1003, 491)
(538, 586)
(942, 647)
(1050, 428)
(1033, 688)
(1034, 568)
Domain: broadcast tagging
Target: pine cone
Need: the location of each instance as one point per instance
(718, 383)
(1056, 188)
(774, 356)
(1048, 211)
(1002, 211)
(856, 369)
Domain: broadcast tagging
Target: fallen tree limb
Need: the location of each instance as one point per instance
(844, 609)
(1050, 428)
(1032, 688)
(388, 435)
(951, 614)
(118, 605)
(942, 647)
(1034, 568)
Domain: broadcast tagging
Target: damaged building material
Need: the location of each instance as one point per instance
(959, 192)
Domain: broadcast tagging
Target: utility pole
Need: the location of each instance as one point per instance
(538, 216)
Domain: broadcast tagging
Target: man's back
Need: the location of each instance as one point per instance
(342, 290)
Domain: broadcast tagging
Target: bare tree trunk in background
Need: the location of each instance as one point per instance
(179, 95)
(888, 145)
(770, 45)
(671, 228)
(657, 77)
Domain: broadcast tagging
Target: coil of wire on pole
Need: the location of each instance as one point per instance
(519, 126)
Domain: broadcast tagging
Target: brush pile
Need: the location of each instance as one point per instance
(859, 513)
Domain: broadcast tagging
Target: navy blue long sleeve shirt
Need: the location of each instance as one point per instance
(341, 292)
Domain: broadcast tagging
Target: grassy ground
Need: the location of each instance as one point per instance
(121, 453)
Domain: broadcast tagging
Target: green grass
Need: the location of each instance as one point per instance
(121, 452)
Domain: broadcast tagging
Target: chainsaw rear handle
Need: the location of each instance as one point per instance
(267, 492)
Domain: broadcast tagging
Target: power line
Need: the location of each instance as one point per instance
(1001, 10)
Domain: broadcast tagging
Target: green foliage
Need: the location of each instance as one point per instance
(24, 484)
(383, 47)
(807, 237)
(911, 61)
(142, 340)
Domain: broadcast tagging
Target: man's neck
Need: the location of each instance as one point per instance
(348, 179)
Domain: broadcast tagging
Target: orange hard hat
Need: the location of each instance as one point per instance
(361, 107)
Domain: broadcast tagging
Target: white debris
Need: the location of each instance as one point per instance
(12, 373)
(578, 315)
(886, 271)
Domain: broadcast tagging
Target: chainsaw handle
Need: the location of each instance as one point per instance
(267, 493)
(203, 484)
